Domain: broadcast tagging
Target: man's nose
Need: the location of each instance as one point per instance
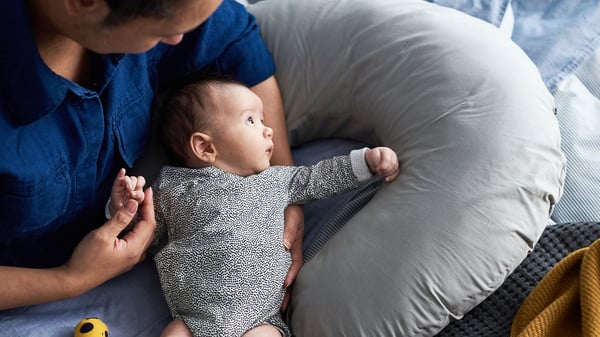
(172, 40)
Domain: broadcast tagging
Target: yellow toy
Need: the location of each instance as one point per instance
(91, 327)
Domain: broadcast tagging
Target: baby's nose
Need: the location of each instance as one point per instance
(268, 132)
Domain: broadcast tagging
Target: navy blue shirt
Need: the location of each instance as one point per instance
(62, 144)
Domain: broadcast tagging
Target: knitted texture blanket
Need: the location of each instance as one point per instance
(566, 302)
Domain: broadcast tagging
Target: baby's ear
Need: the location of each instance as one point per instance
(203, 147)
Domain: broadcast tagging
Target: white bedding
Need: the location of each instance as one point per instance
(578, 111)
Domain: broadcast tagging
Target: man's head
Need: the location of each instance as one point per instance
(121, 26)
(125, 11)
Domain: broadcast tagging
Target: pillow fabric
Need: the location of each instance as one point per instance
(473, 126)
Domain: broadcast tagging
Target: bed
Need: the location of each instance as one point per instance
(531, 73)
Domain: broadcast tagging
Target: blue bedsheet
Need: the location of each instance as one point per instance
(558, 35)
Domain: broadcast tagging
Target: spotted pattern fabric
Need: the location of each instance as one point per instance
(223, 263)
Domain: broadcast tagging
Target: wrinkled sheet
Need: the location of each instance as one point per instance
(558, 35)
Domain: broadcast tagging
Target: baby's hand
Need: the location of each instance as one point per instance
(125, 188)
(383, 161)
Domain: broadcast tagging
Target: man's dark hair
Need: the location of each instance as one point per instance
(122, 11)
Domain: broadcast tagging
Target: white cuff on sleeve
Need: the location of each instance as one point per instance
(107, 210)
(359, 164)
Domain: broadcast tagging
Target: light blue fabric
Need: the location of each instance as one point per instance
(558, 35)
(578, 102)
(491, 11)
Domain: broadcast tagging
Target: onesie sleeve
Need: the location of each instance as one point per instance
(328, 177)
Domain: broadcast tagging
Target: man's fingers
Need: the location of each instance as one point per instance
(143, 230)
(292, 239)
(286, 300)
(295, 267)
(147, 211)
(294, 226)
(289, 234)
(122, 218)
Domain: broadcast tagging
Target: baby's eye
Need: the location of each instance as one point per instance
(250, 120)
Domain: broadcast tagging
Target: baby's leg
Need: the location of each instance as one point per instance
(176, 329)
(265, 330)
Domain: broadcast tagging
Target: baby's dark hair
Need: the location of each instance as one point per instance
(185, 109)
(125, 11)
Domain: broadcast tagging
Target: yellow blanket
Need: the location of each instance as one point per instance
(566, 302)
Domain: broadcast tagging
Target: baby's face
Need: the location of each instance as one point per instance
(244, 144)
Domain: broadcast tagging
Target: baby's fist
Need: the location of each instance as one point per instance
(383, 161)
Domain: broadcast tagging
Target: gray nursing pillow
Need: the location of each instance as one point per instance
(474, 129)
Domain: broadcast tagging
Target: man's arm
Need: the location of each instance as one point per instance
(100, 256)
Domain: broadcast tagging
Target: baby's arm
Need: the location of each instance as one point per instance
(383, 161)
(125, 188)
(339, 174)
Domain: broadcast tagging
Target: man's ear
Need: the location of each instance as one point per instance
(203, 147)
(78, 7)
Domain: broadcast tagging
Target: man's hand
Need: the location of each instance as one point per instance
(292, 240)
(102, 255)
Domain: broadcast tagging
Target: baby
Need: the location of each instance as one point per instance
(220, 215)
